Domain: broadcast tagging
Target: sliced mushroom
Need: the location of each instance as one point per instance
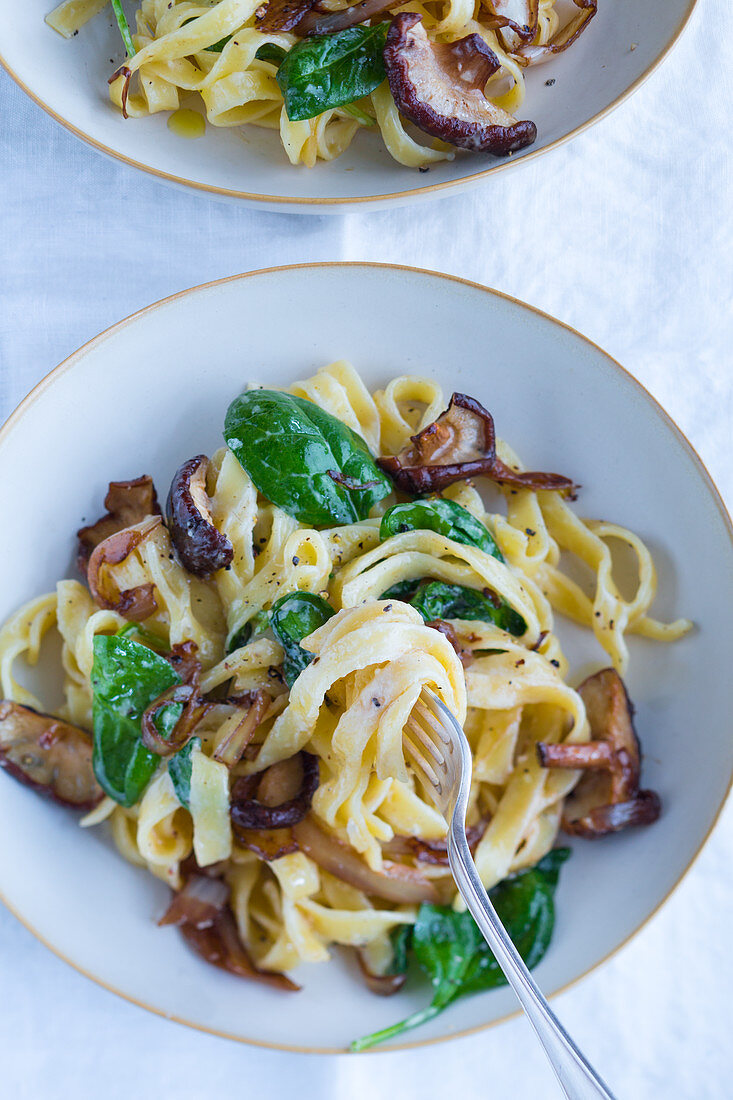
(282, 15)
(219, 944)
(137, 603)
(277, 798)
(318, 22)
(201, 546)
(607, 798)
(194, 708)
(395, 882)
(440, 87)
(189, 867)
(183, 659)
(517, 20)
(530, 54)
(231, 749)
(268, 844)
(198, 903)
(431, 851)
(383, 984)
(127, 503)
(49, 755)
(461, 443)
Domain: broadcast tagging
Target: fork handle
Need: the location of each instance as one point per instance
(577, 1078)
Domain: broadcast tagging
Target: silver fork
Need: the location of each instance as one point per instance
(437, 749)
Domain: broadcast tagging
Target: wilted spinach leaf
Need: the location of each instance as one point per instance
(443, 516)
(154, 641)
(331, 70)
(401, 943)
(179, 769)
(126, 678)
(403, 590)
(303, 459)
(436, 600)
(270, 52)
(166, 719)
(294, 617)
(255, 626)
(452, 952)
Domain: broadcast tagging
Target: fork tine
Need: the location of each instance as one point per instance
(428, 726)
(424, 734)
(436, 723)
(436, 709)
(423, 767)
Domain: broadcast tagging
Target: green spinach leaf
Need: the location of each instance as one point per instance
(179, 769)
(403, 590)
(270, 52)
(436, 600)
(252, 629)
(452, 952)
(217, 47)
(401, 943)
(126, 678)
(154, 641)
(166, 718)
(443, 516)
(331, 70)
(294, 617)
(303, 459)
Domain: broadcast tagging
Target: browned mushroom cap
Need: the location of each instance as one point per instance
(281, 15)
(284, 793)
(325, 22)
(440, 87)
(533, 55)
(127, 503)
(219, 944)
(201, 547)
(137, 603)
(461, 443)
(607, 798)
(49, 755)
(516, 18)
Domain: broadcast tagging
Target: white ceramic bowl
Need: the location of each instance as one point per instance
(619, 49)
(153, 390)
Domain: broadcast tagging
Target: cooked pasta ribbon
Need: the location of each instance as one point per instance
(209, 49)
(366, 665)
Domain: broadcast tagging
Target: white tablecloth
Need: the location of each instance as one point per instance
(625, 233)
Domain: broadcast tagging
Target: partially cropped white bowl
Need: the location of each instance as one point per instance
(620, 48)
(153, 390)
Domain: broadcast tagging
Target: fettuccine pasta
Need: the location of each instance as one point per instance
(316, 73)
(247, 673)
